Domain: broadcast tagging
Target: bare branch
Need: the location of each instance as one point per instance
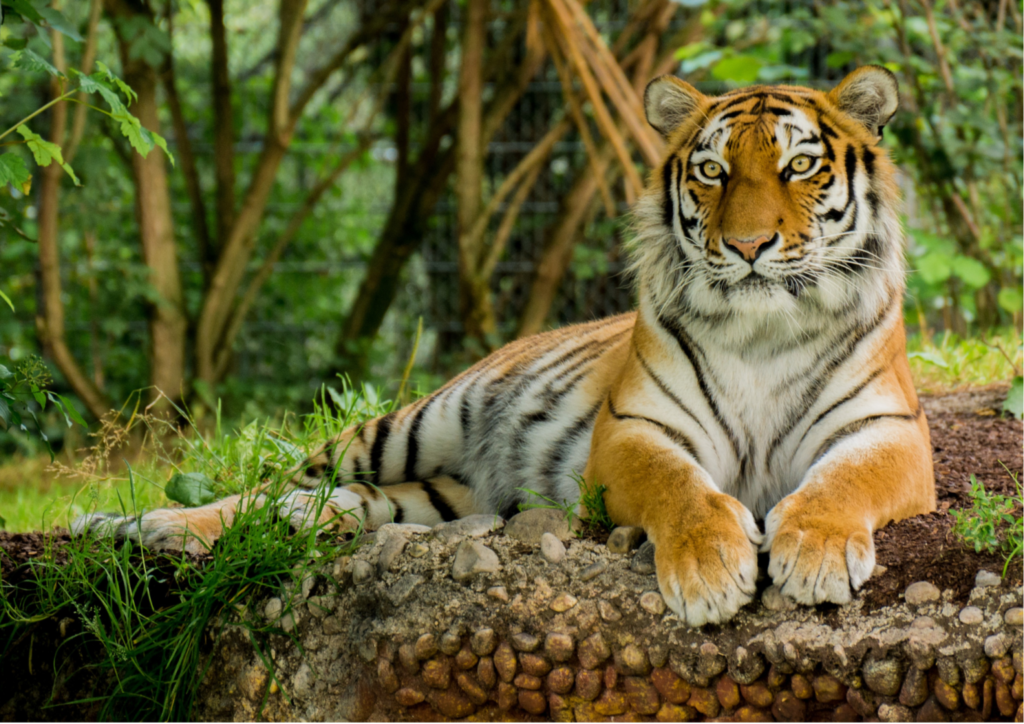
(223, 122)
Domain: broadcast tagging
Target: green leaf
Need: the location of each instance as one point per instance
(739, 68)
(131, 128)
(972, 271)
(1014, 403)
(44, 151)
(15, 43)
(71, 411)
(1010, 298)
(5, 373)
(106, 73)
(13, 171)
(839, 59)
(929, 357)
(68, 170)
(5, 413)
(190, 489)
(28, 59)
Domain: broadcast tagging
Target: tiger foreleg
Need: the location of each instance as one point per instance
(705, 542)
(821, 535)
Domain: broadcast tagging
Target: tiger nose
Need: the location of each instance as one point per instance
(750, 249)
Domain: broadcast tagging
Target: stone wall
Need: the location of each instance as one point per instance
(469, 620)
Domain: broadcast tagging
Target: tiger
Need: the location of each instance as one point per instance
(758, 399)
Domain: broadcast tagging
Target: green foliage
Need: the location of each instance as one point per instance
(592, 500)
(25, 383)
(948, 361)
(993, 522)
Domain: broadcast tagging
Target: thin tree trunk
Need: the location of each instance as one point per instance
(168, 325)
(475, 308)
(50, 321)
(223, 122)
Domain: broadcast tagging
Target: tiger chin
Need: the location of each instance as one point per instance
(763, 378)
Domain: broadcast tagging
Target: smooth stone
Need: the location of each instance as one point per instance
(528, 526)
(402, 590)
(594, 570)
(921, 592)
(473, 558)
(997, 645)
(472, 526)
(417, 550)
(498, 592)
(985, 579)
(272, 609)
(1014, 616)
(652, 602)
(552, 549)
(625, 538)
(608, 611)
(393, 547)
(563, 602)
(971, 615)
(643, 561)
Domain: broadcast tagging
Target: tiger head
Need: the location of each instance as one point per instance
(771, 198)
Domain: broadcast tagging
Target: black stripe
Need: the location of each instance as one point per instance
(440, 504)
(465, 413)
(379, 441)
(685, 343)
(869, 162)
(413, 443)
(666, 391)
(668, 202)
(814, 390)
(670, 432)
(855, 427)
(561, 448)
(839, 403)
(399, 512)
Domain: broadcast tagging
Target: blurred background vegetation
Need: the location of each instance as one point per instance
(343, 169)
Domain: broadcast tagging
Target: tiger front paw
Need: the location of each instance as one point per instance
(707, 562)
(817, 554)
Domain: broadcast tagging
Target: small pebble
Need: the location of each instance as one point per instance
(498, 592)
(273, 609)
(593, 570)
(997, 645)
(551, 548)
(608, 611)
(920, 593)
(417, 550)
(984, 579)
(563, 602)
(653, 603)
(971, 615)
(1014, 616)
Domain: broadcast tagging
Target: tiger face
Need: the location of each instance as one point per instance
(774, 195)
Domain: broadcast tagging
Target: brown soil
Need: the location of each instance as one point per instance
(968, 437)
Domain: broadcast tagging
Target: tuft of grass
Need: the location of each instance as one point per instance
(590, 508)
(148, 614)
(948, 362)
(993, 523)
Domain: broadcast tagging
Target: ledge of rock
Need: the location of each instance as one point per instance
(465, 621)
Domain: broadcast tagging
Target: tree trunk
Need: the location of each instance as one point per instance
(475, 306)
(50, 320)
(223, 122)
(168, 325)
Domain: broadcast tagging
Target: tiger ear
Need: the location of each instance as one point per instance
(870, 95)
(668, 102)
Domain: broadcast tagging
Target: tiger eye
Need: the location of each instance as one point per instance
(800, 164)
(711, 169)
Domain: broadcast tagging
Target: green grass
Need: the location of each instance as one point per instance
(947, 362)
(590, 507)
(993, 523)
(148, 614)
